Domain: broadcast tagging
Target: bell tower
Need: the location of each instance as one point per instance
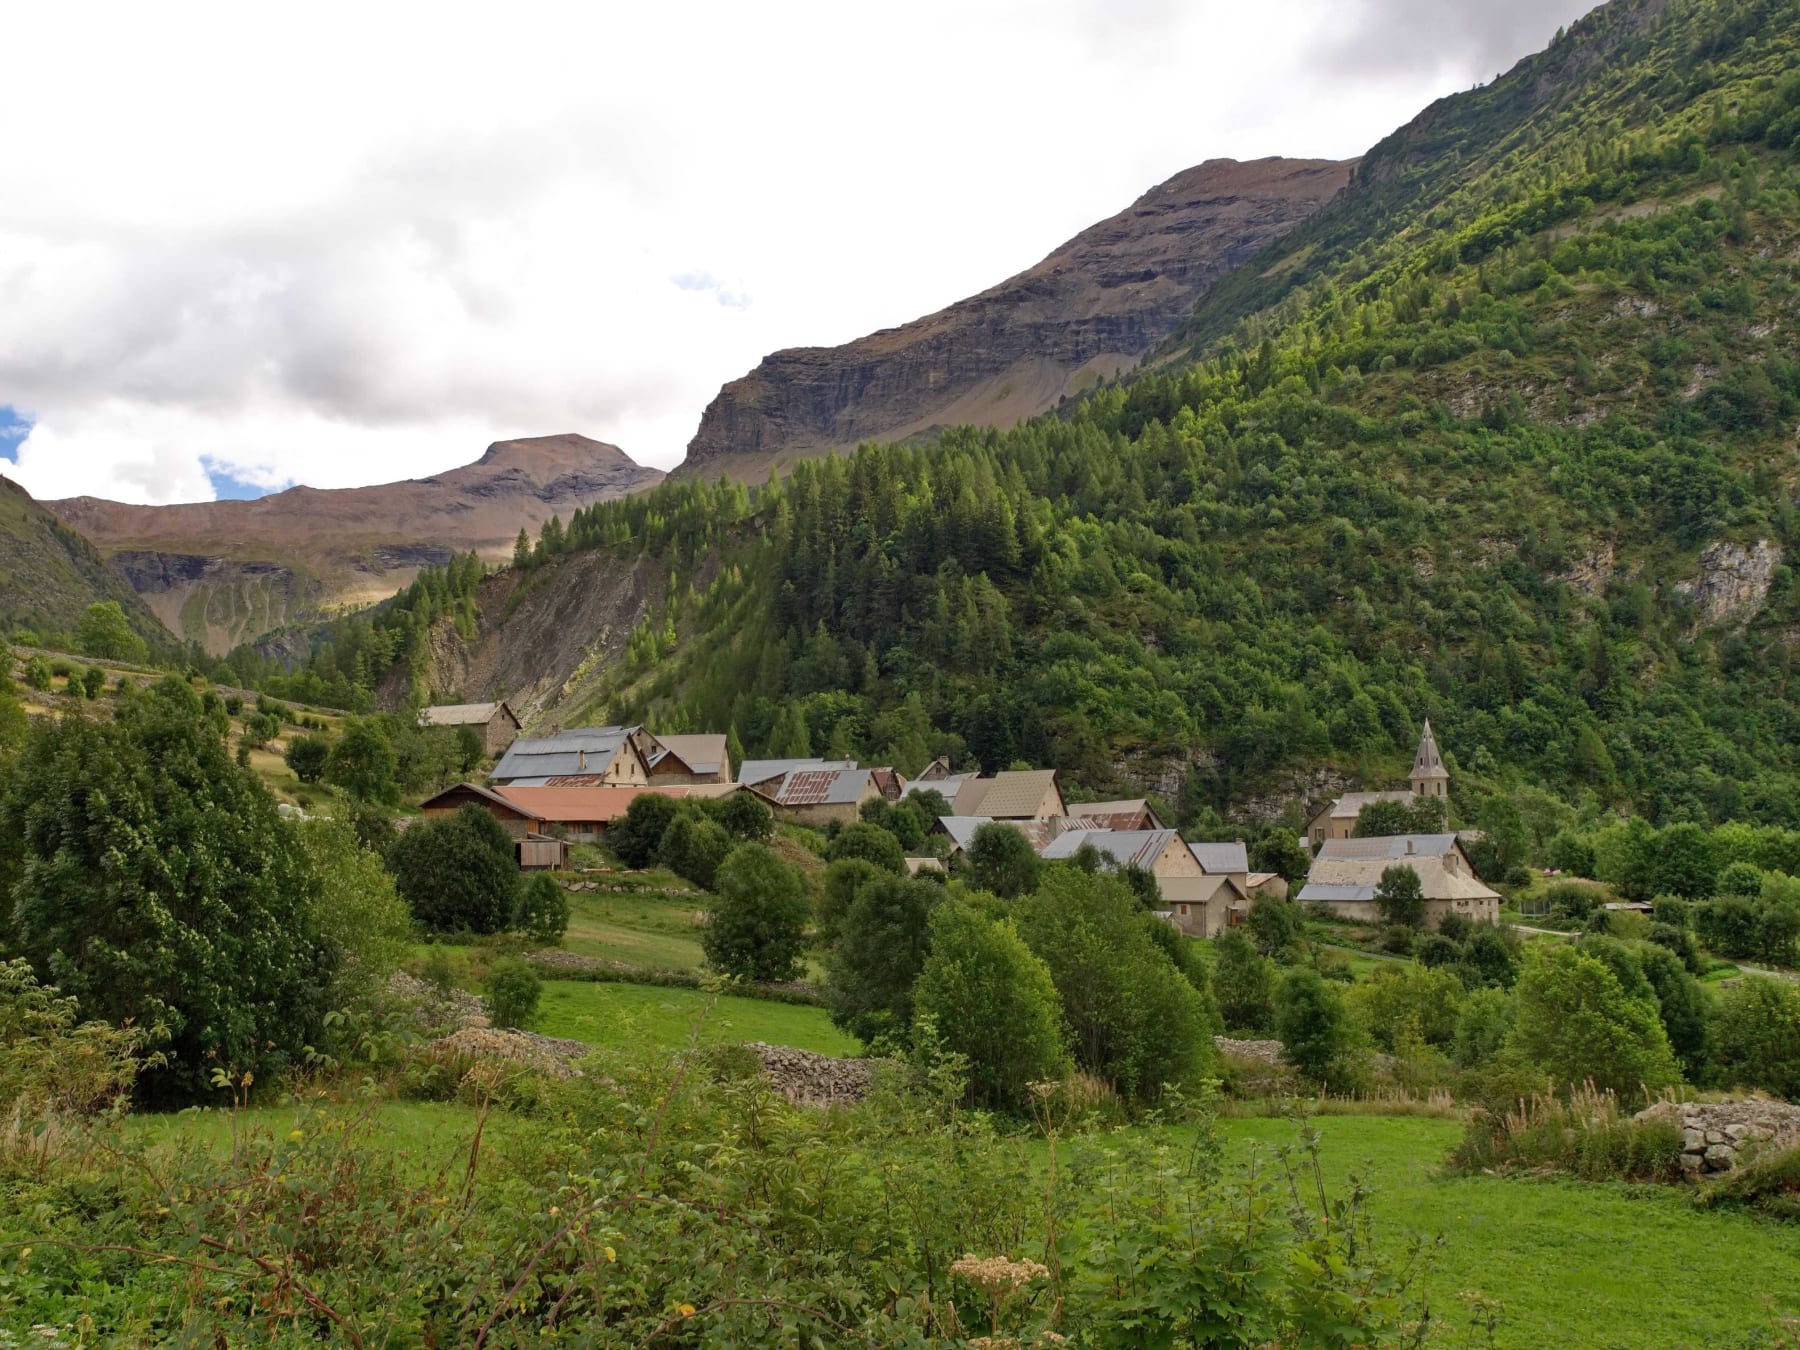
(1429, 776)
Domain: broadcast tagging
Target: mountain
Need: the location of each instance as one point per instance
(222, 573)
(49, 574)
(1503, 437)
(1082, 315)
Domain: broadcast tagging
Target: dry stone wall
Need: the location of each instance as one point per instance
(1718, 1136)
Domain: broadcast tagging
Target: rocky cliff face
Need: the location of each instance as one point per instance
(1086, 312)
(221, 573)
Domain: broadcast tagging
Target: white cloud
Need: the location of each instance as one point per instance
(341, 244)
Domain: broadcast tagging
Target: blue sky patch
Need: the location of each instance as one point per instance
(228, 487)
(14, 427)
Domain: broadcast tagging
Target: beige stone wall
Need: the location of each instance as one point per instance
(498, 734)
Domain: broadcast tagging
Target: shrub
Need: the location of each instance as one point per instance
(1243, 983)
(1755, 1036)
(1569, 852)
(105, 632)
(842, 881)
(1576, 1022)
(1482, 1025)
(870, 843)
(1456, 927)
(1727, 925)
(305, 756)
(1681, 1005)
(1673, 911)
(152, 880)
(542, 910)
(693, 847)
(1400, 898)
(879, 953)
(1570, 900)
(1314, 1028)
(457, 873)
(512, 989)
(1590, 1135)
(1274, 924)
(1741, 878)
(744, 817)
(363, 763)
(1408, 1003)
(1002, 861)
(37, 674)
(1399, 939)
(355, 908)
(1681, 942)
(93, 680)
(52, 1063)
(1490, 957)
(990, 1000)
(757, 929)
(1434, 949)
(635, 837)
(1133, 1019)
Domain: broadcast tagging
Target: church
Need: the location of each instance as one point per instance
(1337, 819)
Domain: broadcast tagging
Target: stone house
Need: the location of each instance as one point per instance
(819, 796)
(1022, 794)
(1133, 814)
(1347, 872)
(585, 757)
(756, 773)
(496, 723)
(1197, 901)
(690, 759)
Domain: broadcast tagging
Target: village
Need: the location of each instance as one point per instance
(569, 787)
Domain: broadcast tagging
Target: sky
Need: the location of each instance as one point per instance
(244, 246)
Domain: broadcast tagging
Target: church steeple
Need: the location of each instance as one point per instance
(1429, 776)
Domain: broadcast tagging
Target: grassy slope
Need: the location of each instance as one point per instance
(49, 574)
(1600, 1266)
(626, 1014)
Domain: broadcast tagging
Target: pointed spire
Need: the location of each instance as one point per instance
(1428, 763)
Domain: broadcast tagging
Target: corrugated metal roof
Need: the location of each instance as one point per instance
(1126, 848)
(1326, 892)
(585, 750)
(762, 770)
(1216, 858)
(1391, 846)
(822, 787)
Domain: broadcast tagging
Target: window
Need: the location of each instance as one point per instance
(1184, 910)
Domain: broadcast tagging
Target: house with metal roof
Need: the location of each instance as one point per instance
(1346, 875)
(1020, 794)
(759, 772)
(809, 795)
(690, 759)
(1430, 779)
(495, 723)
(1197, 901)
(1135, 813)
(584, 757)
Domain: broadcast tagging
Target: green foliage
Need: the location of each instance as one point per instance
(990, 1000)
(151, 880)
(306, 756)
(1003, 862)
(106, 633)
(1576, 1021)
(93, 680)
(1756, 1037)
(746, 818)
(1740, 879)
(1380, 819)
(757, 927)
(1589, 1135)
(355, 909)
(1134, 1020)
(512, 989)
(37, 673)
(542, 911)
(52, 1063)
(1408, 1005)
(1243, 983)
(879, 952)
(1315, 1029)
(1400, 898)
(1681, 1004)
(637, 835)
(1274, 925)
(870, 843)
(458, 873)
(1483, 1024)
(363, 763)
(693, 846)
(843, 879)
(1281, 852)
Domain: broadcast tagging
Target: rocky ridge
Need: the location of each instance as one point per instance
(1089, 310)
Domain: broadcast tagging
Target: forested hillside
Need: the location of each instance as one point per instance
(1505, 437)
(49, 575)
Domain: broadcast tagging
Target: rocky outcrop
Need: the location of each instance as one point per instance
(809, 1079)
(1083, 314)
(1733, 581)
(221, 573)
(1260, 1052)
(1718, 1136)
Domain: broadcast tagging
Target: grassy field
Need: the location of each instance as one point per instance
(643, 928)
(620, 1014)
(1604, 1267)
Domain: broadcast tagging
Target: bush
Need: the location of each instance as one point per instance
(1572, 901)
(1569, 852)
(542, 910)
(1274, 925)
(879, 953)
(153, 881)
(37, 674)
(1755, 1037)
(869, 842)
(93, 680)
(1134, 1020)
(512, 989)
(693, 847)
(635, 837)
(305, 756)
(1576, 1022)
(51, 1063)
(457, 873)
(1673, 911)
(1314, 1028)
(1455, 927)
(986, 997)
(744, 817)
(842, 881)
(1002, 861)
(1434, 949)
(1590, 1136)
(1399, 939)
(363, 763)
(1490, 957)
(1408, 1004)
(757, 929)
(1400, 898)
(1681, 1004)
(1482, 1025)
(1243, 983)
(1741, 878)
(355, 909)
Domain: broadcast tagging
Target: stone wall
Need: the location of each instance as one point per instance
(809, 1079)
(1717, 1136)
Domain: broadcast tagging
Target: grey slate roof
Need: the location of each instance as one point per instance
(1391, 846)
(460, 714)
(762, 770)
(1325, 892)
(568, 754)
(1217, 858)
(1126, 848)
